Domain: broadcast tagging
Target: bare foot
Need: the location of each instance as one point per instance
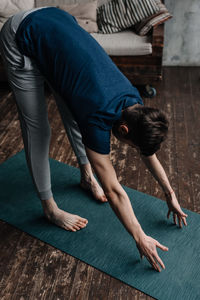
(66, 220)
(92, 185)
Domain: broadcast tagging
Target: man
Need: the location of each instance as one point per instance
(93, 98)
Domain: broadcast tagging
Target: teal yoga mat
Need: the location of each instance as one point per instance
(104, 243)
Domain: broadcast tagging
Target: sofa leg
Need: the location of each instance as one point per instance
(146, 91)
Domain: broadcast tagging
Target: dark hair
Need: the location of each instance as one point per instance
(147, 126)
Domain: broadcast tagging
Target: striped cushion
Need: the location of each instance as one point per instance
(146, 25)
(157, 20)
(118, 15)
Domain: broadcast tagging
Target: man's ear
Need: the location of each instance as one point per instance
(123, 129)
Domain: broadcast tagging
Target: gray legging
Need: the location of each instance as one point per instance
(27, 84)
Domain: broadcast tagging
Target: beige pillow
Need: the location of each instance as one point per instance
(11, 7)
(85, 14)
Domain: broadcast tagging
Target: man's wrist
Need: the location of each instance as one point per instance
(168, 193)
(137, 233)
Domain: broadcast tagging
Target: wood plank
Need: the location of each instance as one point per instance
(81, 285)
(193, 133)
(99, 286)
(64, 281)
(9, 238)
(36, 270)
(179, 94)
(15, 266)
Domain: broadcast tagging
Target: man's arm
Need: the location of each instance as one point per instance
(120, 203)
(159, 174)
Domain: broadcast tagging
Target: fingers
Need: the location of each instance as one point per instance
(180, 221)
(160, 261)
(152, 259)
(149, 251)
(174, 218)
(184, 216)
(141, 256)
(181, 218)
(154, 256)
(162, 247)
(184, 221)
(153, 263)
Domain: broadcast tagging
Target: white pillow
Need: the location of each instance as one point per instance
(9, 8)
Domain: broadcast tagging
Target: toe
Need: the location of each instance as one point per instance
(83, 220)
(81, 224)
(104, 198)
(69, 228)
(76, 227)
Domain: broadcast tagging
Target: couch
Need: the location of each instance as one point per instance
(138, 57)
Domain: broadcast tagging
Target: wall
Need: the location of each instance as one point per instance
(182, 33)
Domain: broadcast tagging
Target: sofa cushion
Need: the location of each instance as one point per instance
(64, 2)
(124, 43)
(11, 7)
(85, 14)
(39, 3)
(118, 15)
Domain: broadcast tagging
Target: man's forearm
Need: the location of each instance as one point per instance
(114, 192)
(122, 207)
(158, 172)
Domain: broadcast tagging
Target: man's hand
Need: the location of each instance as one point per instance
(147, 247)
(159, 174)
(175, 208)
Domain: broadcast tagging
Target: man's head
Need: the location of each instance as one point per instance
(143, 127)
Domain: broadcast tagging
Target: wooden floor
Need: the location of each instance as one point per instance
(30, 269)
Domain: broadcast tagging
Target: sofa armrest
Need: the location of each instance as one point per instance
(144, 69)
(158, 40)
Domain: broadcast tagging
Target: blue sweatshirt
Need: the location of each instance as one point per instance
(80, 71)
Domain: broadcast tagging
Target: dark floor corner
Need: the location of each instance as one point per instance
(31, 269)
